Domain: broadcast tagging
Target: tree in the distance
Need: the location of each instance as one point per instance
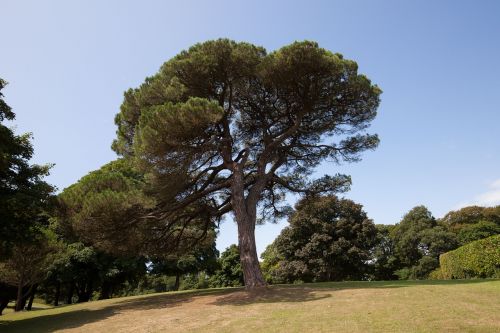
(473, 223)
(384, 262)
(329, 239)
(226, 127)
(201, 259)
(419, 241)
(27, 266)
(228, 272)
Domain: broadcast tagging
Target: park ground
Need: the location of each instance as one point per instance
(392, 306)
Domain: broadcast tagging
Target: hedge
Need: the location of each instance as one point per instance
(478, 259)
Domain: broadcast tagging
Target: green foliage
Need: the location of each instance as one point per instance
(87, 271)
(198, 280)
(148, 284)
(384, 262)
(436, 274)
(5, 110)
(418, 243)
(97, 208)
(473, 223)
(479, 259)
(471, 215)
(229, 273)
(328, 239)
(102, 219)
(479, 230)
(213, 102)
(29, 262)
(271, 263)
(24, 197)
(193, 265)
(25, 203)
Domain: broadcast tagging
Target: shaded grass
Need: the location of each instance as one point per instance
(37, 305)
(381, 306)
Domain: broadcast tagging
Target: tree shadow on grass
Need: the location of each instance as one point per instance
(315, 291)
(50, 323)
(275, 294)
(77, 318)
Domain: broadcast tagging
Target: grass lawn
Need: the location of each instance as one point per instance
(395, 306)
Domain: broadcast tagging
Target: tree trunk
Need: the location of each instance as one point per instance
(85, 292)
(3, 304)
(19, 299)
(69, 297)
(177, 281)
(105, 290)
(245, 214)
(252, 274)
(32, 297)
(57, 294)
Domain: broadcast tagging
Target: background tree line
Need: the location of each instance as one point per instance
(331, 239)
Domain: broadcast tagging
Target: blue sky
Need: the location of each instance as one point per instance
(69, 62)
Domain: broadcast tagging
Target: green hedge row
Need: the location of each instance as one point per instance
(478, 259)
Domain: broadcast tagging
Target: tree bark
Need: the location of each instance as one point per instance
(105, 290)
(57, 293)
(245, 215)
(69, 297)
(19, 299)
(3, 304)
(32, 297)
(252, 274)
(85, 292)
(177, 281)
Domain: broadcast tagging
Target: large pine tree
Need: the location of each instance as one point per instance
(230, 128)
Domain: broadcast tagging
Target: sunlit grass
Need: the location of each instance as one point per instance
(393, 306)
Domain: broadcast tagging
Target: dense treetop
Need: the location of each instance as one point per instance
(223, 102)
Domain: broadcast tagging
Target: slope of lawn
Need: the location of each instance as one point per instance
(395, 306)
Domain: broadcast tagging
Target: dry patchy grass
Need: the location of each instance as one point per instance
(396, 306)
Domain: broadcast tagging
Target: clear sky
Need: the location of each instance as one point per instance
(69, 62)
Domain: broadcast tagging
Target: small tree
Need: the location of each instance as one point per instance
(229, 128)
(27, 266)
(229, 272)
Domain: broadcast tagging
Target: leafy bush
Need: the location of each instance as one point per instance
(421, 271)
(229, 273)
(479, 259)
(436, 274)
(195, 281)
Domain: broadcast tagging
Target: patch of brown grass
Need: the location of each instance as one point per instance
(454, 306)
